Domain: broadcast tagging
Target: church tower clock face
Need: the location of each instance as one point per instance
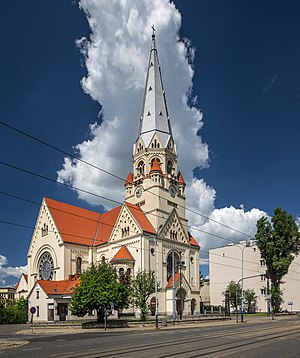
(172, 191)
(46, 267)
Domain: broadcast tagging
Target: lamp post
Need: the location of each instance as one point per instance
(173, 287)
(156, 291)
(154, 237)
(242, 303)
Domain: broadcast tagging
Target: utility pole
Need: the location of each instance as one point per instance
(180, 283)
(173, 287)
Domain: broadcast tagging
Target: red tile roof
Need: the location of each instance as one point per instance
(155, 167)
(170, 280)
(192, 241)
(129, 179)
(81, 226)
(75, 225)
(64, 287)
(180, 178)
(85, 227)
(141, 218)
(123, 255)
(107, 223)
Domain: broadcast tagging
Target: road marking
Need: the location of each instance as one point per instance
(31, 349)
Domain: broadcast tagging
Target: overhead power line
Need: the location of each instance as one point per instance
(111, 174)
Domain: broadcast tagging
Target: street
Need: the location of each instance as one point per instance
(278, 338)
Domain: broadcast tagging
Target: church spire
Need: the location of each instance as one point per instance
(154, 114)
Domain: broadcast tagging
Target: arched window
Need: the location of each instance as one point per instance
(78, 265)
(103, 258)
(152, 160)
(170, 264)
(141, 168)
(127, 275)
(169, 167)
(121, 274)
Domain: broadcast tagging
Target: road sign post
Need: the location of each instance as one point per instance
(32, 311)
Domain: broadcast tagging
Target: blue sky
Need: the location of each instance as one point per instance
(247, 83)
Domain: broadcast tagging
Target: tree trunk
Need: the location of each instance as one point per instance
(100, 316)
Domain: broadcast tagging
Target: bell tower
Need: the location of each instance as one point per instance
(155, 185)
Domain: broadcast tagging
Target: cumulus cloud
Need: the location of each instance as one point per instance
(116, 57)
(298, 222)
(6, 271)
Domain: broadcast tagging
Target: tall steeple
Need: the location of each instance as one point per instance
(154, 114)
(155, 184)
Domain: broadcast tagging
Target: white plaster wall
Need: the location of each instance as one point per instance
(225, 265)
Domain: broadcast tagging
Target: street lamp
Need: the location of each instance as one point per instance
(154, 237)
(242, 303)
(156, 291)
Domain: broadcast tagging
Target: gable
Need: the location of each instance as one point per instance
(173, 229)
(75, 225)
(126, 225)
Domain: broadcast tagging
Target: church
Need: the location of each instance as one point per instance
(149, 231)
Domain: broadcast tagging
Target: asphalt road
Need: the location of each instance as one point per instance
(270, 339)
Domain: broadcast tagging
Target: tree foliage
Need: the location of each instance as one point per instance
(99, 287)
(14, 313)
(142, 287)
(278, 242)
(235, 294)
(250, 300)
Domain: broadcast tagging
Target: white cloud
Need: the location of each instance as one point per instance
(236, 218)
(298, 221)
(116, 58)
(6, 271)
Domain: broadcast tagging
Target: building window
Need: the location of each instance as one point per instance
(45, 230)
(169, 167)
(37, 295)
(263, 277)
(141, 168)
(262, 262)
(103, 258)
(263, 291)
(78, 265)
(121, 274)
(171, 264)
(38, 311)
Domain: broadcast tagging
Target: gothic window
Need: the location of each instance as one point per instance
(169, 167)
(262, 262)
(153, 161)
(150, 88)
(141, 168)
(78, 265)
(170, 264)
(103, 258)
(127, 275)
(121, 274)
(263, 291)
(45, 230)
(148, 114)
(160, 113)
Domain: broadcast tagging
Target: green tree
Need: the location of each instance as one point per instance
(235, 294)
(99, 287)
(142, 287)
(278, 242)
(250, 299)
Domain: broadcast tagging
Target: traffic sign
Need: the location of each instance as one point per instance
(32, 310)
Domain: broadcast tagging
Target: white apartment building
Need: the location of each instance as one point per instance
(226, 264)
